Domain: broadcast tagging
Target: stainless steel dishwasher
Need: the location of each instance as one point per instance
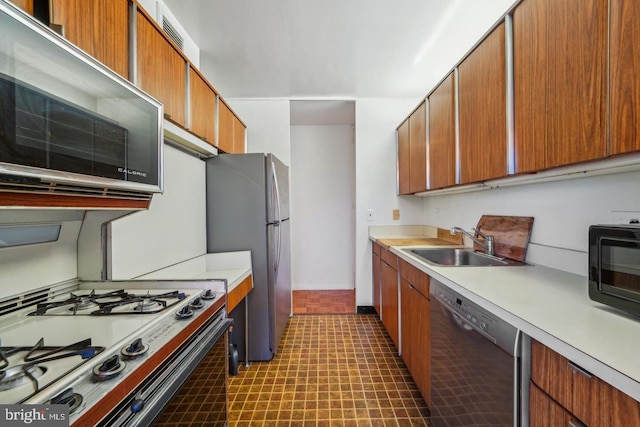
(475, 364)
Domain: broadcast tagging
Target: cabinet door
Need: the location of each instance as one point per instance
(99, 27)
(390, 301)
(376, 277)
(415, 330)
(482, 110)
(161, 69)
(238, 136)
(624, 71)
(418, 149)
(26, 5)
(560, 82)
(545, 412)
(225, 128)
(203, 102)
(404, 150)
(442, 135)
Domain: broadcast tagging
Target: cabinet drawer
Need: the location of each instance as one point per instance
(376, 248)
(389, 257)
(415, 277)
(584, 395)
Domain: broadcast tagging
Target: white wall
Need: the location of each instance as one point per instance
(267, 122)
(376, 122)
(174, 227)
(322, 206)
(562, 211)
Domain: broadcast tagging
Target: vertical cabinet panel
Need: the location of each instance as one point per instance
(389, 277)
(225, 128)
(442, 136)
(544, 412)
(404, 165)
(99, 27)
(624, 71)
(482, 111)
(202, 100)
(376, 276)
(161, 69)
(560, 82)
(238, 136)
(418, 149)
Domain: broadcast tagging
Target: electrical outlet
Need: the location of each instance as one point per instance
(625, 217)
(396, 214)
(370, 213)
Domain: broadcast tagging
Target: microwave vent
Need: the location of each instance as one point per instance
(38, 186)
(171, 31)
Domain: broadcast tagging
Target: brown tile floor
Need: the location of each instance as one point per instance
(330, 370)
(324, 302)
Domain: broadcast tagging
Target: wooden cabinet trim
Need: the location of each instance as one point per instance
(238, 293)
(389, 257)
(404, 158)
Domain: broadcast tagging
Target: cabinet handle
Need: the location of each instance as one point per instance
(575, 423)
(577, 369)
(58, 28)
(167, 115)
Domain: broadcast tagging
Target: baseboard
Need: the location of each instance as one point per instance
(365, 309)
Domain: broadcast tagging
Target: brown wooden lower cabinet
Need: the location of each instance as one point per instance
(389, 290)
(582, 395)
(376, 276)
(415, 327)
(545, 412)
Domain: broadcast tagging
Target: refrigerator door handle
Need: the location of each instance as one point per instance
(275, 186)
(278, 251)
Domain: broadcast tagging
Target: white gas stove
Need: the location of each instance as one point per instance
(113, 351)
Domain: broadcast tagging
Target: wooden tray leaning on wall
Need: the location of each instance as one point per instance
(511, 234)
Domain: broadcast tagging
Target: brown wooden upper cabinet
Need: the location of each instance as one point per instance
(161, 69)
(418, 149)
(26, 5)
(231, 131)
(202, 99)
(560, 58)
(482, 110)
(442, 135)
(404, 165)
(99, 27)
(412, 152)
(624, 68)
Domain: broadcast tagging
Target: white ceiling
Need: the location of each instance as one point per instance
(332, 49)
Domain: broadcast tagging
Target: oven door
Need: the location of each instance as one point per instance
(162, 395)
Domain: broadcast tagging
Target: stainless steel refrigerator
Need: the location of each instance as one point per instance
(248, 209)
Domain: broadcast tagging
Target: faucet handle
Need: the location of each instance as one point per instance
(481, 234)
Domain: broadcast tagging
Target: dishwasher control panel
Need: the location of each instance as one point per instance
(474, 317)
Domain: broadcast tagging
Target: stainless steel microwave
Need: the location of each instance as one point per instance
(68, 124)
(614, 266)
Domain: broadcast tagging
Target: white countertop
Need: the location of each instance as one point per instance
(554, 308)
(233, 267)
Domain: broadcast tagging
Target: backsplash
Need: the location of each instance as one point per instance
(563, 211)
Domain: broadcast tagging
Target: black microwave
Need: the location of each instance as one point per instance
(614, 266)
(42, 132)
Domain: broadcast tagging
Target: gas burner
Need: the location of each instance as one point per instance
(20, 375)
(149, 305)
(83, 303)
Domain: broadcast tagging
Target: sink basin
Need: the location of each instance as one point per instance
(457, 257)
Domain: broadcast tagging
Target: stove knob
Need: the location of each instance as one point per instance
(135, 349)
(69, 398)
(196, 304)
(208, 294)
(109, 368)
(184, 313)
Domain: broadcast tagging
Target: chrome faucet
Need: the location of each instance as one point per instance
(488, 240)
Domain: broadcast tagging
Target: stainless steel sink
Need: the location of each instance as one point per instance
(457, 257)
